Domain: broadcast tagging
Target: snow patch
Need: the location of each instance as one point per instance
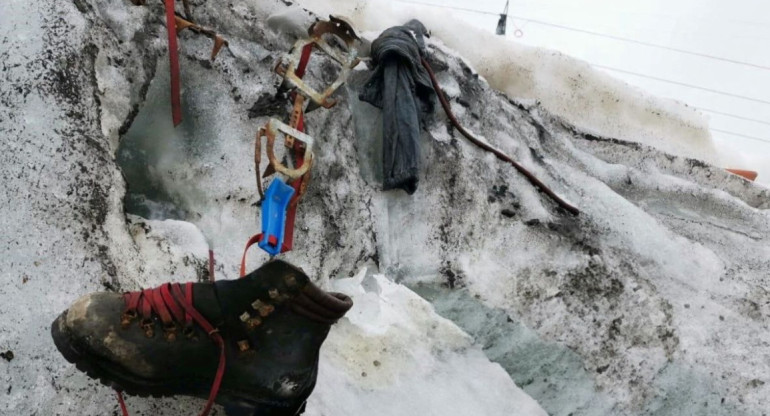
(392, 354)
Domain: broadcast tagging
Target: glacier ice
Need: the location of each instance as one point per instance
(653, 301)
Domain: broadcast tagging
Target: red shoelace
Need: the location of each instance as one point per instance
(174, 305)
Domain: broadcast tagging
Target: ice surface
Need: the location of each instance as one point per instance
(393, 354)
(653, 301)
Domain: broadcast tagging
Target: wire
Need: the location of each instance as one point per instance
(734, 116)
(643, 43)
(590, 32)
(729, 94)
(759, 139)
(619, 38)
(449, 7)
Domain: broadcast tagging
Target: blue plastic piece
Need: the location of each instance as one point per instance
(277, 198)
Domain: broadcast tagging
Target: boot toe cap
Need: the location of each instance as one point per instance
(90, 329)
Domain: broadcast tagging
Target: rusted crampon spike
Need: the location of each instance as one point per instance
(182, 24)
(219, 41)
(187, 11)
(175, 24)
(337, 25)
(288, 66)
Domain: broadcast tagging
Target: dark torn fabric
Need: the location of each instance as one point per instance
(401, 87)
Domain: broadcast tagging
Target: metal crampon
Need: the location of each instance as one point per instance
(290, 68)
(337, 39)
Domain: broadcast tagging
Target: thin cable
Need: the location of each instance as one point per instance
(643, 43)
(604, 35)
(734, 116)
(644, 75)
(449, 7)
(729, 94)
(759, 139)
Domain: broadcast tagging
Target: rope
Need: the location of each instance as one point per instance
(500, 155)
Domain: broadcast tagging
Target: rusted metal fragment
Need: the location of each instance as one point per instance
(219, 41)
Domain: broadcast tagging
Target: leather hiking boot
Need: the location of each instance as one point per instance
(250, 344)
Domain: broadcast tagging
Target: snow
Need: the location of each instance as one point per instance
(393, 354)
(587, 98)
(653, 301)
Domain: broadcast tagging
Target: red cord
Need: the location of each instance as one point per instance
(173, 57)
(173, 306)
(122, 403)
(211, 265)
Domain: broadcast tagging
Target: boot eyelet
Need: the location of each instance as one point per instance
(170, 332)
(290, 280)
(266, 310)
(253, 323)
(189, 332)
(149, 327)
(127, 318)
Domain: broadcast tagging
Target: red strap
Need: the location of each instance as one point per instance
(253, 240)
(121, 403)
(288, 237)
(214, 334)
(211, 265)
(180, 303)
(160, 307)
(303, 59)
(133, 300)
(173, 56)
(146, 307)
(299, 153)
(168, 300)
(188, 292)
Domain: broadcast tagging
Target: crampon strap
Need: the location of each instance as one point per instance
(253, 240)
(173, 57)
(174, 306)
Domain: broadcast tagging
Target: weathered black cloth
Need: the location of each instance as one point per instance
(401, 87)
